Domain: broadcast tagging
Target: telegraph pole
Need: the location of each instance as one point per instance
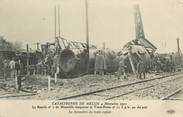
(59, 21)
(87, 34)
(55, 16)
(37, 46)
(179, 52)
(27, 49)
(178, 46)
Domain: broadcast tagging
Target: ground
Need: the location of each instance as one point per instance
(67, 87)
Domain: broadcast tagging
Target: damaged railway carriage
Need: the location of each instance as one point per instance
(73, 61)
(68, 58)
(136, 50)
(140, 48)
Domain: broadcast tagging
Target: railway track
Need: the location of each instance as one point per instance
(169, 96)
(3, 90)
(111, 92)
(5, 93)
(141, 89)
(141, 82)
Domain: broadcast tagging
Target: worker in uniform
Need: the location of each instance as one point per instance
(141, 69)
(122, 68)
(12, 68)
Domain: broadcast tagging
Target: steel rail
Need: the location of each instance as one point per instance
(13, 94)
(115, 87)
(130, 92)
(172, 94)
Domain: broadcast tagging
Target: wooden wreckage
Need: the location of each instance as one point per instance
(72, 57)
(139, 48)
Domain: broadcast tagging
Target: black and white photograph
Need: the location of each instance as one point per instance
(91, 50)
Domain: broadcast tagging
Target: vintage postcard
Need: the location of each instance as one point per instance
(65, 58)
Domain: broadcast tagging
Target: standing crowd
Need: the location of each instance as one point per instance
(156, 64)
(13, 69)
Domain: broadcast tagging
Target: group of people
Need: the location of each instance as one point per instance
(164, 64)
(13, 69)
(141, 68)
(142, 65)
(47, 66)
(100, 66)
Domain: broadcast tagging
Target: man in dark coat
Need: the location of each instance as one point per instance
(100, 63)
(5, 69)
(48, 63)
(141, 69)
(122, 68)
(19, 69)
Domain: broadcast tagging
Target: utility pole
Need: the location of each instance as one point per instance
(37, 46)
(55, 16)
(59, 21)
(27, 48)
(178, 46)
(179, 52)
(87, 34)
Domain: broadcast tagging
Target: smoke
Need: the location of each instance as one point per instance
(9, 46)
(17, 45)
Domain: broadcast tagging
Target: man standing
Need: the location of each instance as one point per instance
(17, 67)
(122, 68)
(141, 69)
(5, 69)
(19, 72)
(99, 63)
(48, 63)
(158, 65)
(12, 68)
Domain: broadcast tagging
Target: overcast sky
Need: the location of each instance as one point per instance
(110, 21)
